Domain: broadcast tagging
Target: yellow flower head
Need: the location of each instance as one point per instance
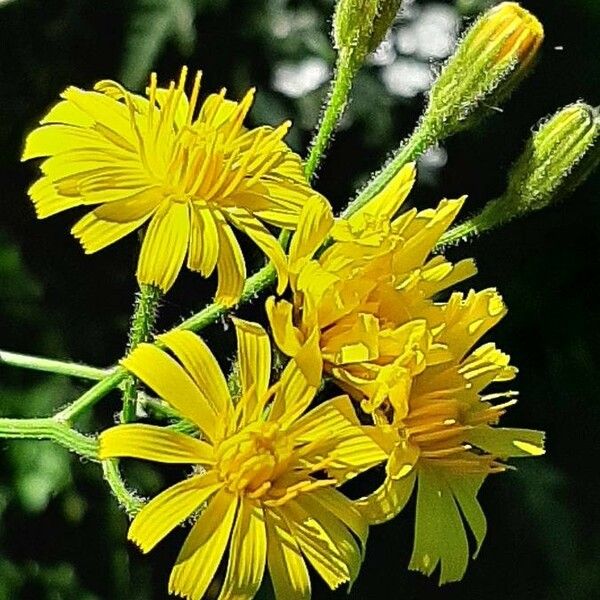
(265, 470)
(191, 174)
(440, 430)
(367, 297)
(369, 300)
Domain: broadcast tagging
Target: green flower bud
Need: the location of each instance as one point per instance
(558, 157)
(490, 60)
(359, 26)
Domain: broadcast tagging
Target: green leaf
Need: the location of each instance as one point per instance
(152, 23)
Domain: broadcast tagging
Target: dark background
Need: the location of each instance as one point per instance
(61, 534)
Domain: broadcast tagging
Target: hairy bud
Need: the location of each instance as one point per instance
(359, 26)
(490, 60)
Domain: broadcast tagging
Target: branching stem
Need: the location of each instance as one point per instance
(37, 363)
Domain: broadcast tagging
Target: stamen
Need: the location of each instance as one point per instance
(152, 99)
(242, 111)
(182, 78)
(194, 97)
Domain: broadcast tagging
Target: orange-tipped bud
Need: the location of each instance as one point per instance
(488, 64)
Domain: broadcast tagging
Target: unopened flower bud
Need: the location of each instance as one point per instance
(489, 62)
(359, 26)
(558, 157)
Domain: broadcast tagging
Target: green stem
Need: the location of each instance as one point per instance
(158, 408)
(127, 499)
(37, 363)
(47, 428)
(420, 140)
(140, 330)
(208, 315)
(462, 231)
(92, 396)
(341, 84)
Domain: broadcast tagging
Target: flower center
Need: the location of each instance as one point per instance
(250, 461)
(206, 155)
(437, 431)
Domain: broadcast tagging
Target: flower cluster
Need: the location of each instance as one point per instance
(363, 302)
(192, 174)
(368, 305)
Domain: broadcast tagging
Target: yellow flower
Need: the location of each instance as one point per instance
(193, 176)
(265, 470)
(367, 296)
(441, 433)
(369, 300)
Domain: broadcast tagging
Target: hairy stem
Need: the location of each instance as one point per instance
(337, 100)
(127, 499)
(37, 363)
(92, 396)
(420, 140)
(48, 428)
(142, 324)
(254, 284)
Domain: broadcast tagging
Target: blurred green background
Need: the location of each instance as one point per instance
(61, 534)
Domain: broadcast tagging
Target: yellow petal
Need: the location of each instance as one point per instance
(248, 554)
(261, 236)
(345, 510)
(216, 110)
(286, 564)
(230, 265)
(352, 455)
(170, 508)
(468, 319)
(99, 109)
(336, 528)
(95, 234)
(204, 242)
(149, 442)
(316, 220)
(47, 201)
(356, 344)
(328, 420)
(204, 547)
(387, 500)
(402, 460)
(296, 389)
(507, 442)
(67, 113)
(164, 246)
(254, 360)
(203, 367)
(387, 202)
(181, 109)
(309, 359)
(57, 138)
(168, 379)
(98, 229)
(485, 365)
(285, 335)
(139, 204)
(465, 489)
(440, 536)
(424, 232)
(316, 542)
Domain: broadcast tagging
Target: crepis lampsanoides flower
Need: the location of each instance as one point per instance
(371, 298)
(266, 469)
(190, 174)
